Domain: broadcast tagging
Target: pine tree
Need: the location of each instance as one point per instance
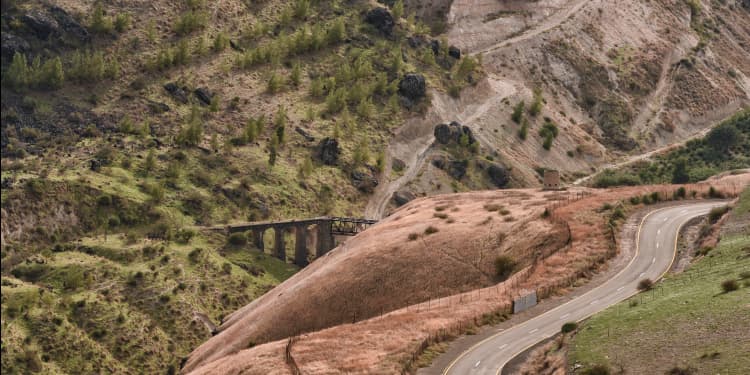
(273, 149)
(280, 124)
(296, 76)
(524, 131)
(517, 115)
(150, 163)
(17, 75)
(337, 32)
(398, 9)
(52, 73)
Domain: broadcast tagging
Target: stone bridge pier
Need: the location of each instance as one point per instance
(319, 231)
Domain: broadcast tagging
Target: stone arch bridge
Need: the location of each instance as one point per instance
(318, 232)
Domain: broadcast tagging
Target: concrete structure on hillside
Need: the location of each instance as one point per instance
(551, 180)
(318, 232)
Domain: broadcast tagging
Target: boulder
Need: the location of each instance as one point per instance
(69, 24)
(412, 86)
(204, 95)
(416, 41)
(499, 175)
(95, 165)
(328, 151)
(365, 181)
(443, 134)
(43, 25)
(381, 19)
(157, 107)
(12, 44)
(454, 52)
(447, 133)
(435, 46)
(439, 162)
(403, 197)
(179, 94)
(398, 165)
(457, 168)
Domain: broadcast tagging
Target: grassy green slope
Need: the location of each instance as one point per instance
(686, 322)
(725, 148)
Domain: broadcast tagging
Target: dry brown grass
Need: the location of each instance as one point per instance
(352, 279)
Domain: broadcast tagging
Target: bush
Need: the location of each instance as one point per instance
(713, 193)
(226, 268)
(413, 236)
(569, 327)
(635, 200)
(517, 114)
(677, 370)
(729, 285)
(237, 239)
(680, 193)
(610, 178)
(596, 370)
(645, 284)
(190, 21)
(504, 267)
(430, 230)
(717, 213)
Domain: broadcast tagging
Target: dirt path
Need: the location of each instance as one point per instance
(412, 141)
(548, 24)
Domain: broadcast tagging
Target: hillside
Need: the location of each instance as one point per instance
(614, 79)
(130, 128)
(368, 339)
(689, 320)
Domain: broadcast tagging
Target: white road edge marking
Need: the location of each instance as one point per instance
(620, 288)
(501, 347)
(657, 245)
(534, 330)
(641, 275)
(658, 231)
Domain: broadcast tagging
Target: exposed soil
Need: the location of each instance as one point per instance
(385, 344)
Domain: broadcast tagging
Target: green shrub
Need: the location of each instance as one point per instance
(645, 284)
(596, 370)
(536, 106)
(523, 132)
(729, 285)
(717, 213)
(609, 178)
(122, 22)
(677, 370)
(504, 267)
(237, 239)
(517, 114)
(680, 193)
(190, 21)
(430, 230)
(569, 327)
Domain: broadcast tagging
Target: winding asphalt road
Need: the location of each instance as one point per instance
(656, 245)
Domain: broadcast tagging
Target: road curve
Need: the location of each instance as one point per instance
(655, 251)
